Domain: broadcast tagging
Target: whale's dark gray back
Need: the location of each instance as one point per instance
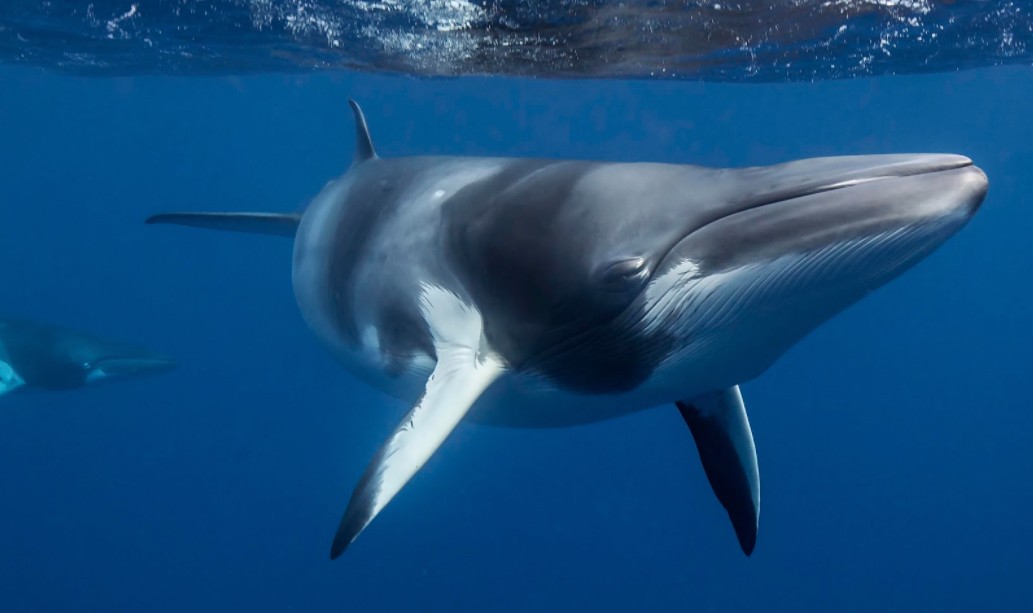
(535, 252)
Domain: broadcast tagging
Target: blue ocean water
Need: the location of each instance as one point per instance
(893, 442)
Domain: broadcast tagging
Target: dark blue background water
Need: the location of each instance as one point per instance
(894, 443)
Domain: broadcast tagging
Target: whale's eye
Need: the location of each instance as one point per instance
(624, 274)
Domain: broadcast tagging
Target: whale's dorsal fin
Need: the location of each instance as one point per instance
(363, 143)
(725, 443)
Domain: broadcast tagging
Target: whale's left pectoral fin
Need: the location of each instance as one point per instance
(721, 429)
(464, 370)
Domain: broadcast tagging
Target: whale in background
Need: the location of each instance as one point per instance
(41, 356)
(546, 293)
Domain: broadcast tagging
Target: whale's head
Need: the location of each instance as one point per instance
(605, 275)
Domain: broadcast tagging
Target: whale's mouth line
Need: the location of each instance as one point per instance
(779, 198)
(902, 173)
(838, 185)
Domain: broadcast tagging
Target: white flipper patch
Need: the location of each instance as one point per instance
(465, 368)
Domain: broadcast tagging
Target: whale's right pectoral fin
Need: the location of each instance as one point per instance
(721, 429)
(464, 370)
